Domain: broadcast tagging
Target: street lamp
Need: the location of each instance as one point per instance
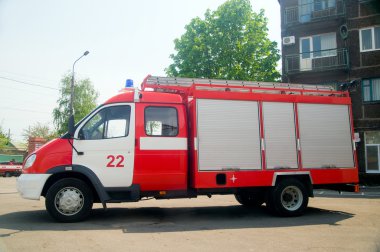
(71, 118)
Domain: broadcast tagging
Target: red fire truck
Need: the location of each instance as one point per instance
(8, 169)
(266, 143)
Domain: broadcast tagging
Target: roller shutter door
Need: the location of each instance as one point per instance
(325, 136)
(280, 135)
(228, 135)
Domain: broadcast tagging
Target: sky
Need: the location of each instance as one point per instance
(41, 39)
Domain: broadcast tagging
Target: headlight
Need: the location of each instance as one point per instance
(29, 162)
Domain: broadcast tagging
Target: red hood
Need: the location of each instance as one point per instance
(57, 152)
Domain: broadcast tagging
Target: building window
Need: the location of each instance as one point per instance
(370, 39)
(323, 4)
(318, 46)
(323, 45)
(372, 148)
(313, 9)
(305, 10)
(371, 90)
(161, 121)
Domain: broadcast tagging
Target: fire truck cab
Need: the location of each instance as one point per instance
(269, 143)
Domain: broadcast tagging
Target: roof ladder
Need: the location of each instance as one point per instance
(156, 82)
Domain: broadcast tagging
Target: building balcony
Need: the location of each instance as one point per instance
(323, 60)
(313, 11)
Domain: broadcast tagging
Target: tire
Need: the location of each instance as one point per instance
(69, 200)
(7, 174)
(288, 198)
(249, 200)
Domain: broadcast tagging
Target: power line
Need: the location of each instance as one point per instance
(28, 83)
(26, 110)
(10, 101)
(23, 76)
(46, 95)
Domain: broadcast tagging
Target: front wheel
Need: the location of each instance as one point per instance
(69, 200)
(288, 198)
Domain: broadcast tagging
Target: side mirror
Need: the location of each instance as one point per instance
(71, 126)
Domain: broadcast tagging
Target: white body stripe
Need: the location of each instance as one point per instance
(163, 143)
(195, 143)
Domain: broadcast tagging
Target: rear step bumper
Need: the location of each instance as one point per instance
(340, 187)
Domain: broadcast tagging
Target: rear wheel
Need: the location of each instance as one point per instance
(288, 198)
(249, 199)
(7, 174)
(69, 200)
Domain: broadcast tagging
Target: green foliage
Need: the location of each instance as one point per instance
(39, 130)
(230, 43)
(85, 98)
(4, 139)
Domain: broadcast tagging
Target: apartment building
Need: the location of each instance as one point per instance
(337, 42)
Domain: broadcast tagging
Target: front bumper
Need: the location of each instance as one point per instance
(30, 185)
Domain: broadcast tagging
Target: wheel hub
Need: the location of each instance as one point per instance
(69, 201)
(291, 198)
(287, 197)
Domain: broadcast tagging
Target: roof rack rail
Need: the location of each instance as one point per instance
(187, 86)
(188, 82)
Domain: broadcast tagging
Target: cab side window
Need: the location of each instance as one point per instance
(161, 121)
(110, 122)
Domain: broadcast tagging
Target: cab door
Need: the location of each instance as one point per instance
(161, 151)
(107, 140)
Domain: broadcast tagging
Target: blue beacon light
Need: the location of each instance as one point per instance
(129, 83)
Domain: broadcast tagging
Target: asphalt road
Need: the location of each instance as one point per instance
(202, 224)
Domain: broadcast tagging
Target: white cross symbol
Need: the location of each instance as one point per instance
(233, 178)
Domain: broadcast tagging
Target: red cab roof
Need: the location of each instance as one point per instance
(127, 95)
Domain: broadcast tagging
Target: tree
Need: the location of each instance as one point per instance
(4, 139)
(230, 43)
(84, 102)
(39, 130)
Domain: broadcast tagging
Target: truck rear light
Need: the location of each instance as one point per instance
(357, 188)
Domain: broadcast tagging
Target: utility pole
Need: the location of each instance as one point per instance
(71, 118)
